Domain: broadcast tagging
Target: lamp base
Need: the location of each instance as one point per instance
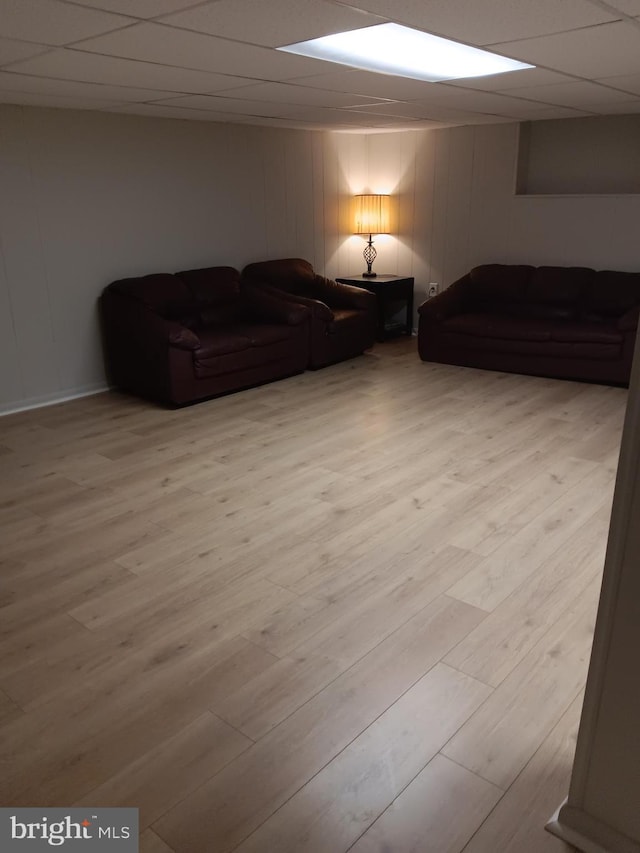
(369, 274)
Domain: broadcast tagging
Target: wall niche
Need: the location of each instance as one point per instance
(595, 155)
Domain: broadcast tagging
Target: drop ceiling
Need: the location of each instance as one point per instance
(216, 60)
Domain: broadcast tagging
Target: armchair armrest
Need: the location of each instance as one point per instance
(447, 303)
(343, 295)
(271, 306)
(629, 321)
(319, 310)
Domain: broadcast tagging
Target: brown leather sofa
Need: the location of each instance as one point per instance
(198, 333)
(343, 318)
(567, 322)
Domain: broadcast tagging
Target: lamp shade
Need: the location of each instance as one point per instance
(371, 214)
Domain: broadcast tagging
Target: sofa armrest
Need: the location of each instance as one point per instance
(271, 306)
(447, 303)
(629, 321)
(341, 295)
(133, 320)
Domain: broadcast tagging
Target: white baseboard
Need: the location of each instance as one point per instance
(51, 399)
(587, 833)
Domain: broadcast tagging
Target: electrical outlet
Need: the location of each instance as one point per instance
(434, 288)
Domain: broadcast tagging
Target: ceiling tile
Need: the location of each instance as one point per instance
(228, 105)
(273, 24)
(91, 67)
(416, 110)
(51, 22)
(160, 111)
(10, 50)
(481, 102)
(329, 116)
(512, 80)
(368, 83)
(286, 93)
(490, 21)
(169, 46)
(628, 7)
(57, 101)
(140, 8)
(575, 94)
(537, 112)
(603, 51)
(71, 88)
(628, 82)
(623, 108)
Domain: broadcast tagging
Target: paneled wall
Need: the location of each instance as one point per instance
(457, 208)
(88, 197)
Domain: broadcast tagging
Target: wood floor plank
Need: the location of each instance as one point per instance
(332, 810)
(274, 693)
(159, 779)
(437, 812)
(152, 843)
(243, 795)
(503, 639)
(513, 511)
(9, 710)
(508, 567)
(534, 796)
(548, 678)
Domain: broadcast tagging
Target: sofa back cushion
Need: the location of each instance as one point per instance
(215, 294)
(561, 289)
(163, 293)
(612, 294)
(294, 275)
(499, 283)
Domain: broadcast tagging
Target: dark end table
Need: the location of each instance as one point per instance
(393, 292)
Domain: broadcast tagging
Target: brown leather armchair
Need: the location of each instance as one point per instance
(183, 337)
(343, 318)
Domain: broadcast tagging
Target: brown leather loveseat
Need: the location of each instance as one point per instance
(183, 337)
(568, 322)
(343, 318)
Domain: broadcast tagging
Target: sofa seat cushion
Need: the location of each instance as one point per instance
(537, 349)
(247, 359)
(216, 341)
(592, 333)
(263, 334)
(498, 326)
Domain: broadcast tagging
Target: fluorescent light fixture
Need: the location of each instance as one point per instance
(405, 52)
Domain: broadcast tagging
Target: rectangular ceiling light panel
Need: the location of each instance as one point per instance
(405, 52)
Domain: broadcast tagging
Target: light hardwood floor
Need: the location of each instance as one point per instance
(347, 611)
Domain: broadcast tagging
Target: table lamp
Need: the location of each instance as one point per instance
(371, 217)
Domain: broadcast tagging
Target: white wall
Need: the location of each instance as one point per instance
(88, 197)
